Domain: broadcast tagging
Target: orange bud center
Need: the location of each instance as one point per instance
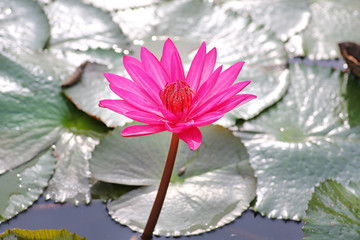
(176, 96)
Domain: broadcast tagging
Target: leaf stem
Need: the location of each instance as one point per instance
(164, 183)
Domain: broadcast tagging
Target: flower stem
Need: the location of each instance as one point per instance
(164, 183)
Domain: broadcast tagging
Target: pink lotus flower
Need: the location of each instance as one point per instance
(160, 95)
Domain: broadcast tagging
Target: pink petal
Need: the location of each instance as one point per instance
(171, 62)
(210, 60)
(228, 77)
(122, 107)
(136, 100)
(127, 60)
(153, 68)
(144, 117)
(125, 84)
(147, 82)
(141, 130)
(202, 94)
(234, 102)
(219, 99)
(192, 137)
(175, 128)
(207, 118)
(194, 75)
(119, 106)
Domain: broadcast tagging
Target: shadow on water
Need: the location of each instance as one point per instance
(93, 222)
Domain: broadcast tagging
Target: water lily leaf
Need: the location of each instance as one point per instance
(93, 87)
(71, 179)
(319, 41)
(28, 125)
(43, 234)
(24, 185)
(215, 186)
(333, 212)
(35, 115)
(272, 14)
(303, 140)
(268, 85)
(241, 39)
(79, 26)
(23, 24)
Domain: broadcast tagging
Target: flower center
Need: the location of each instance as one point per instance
(176, 96)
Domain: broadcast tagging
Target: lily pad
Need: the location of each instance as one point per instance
(30, 113)
(303, 140)
(79, 26)
(271, 14)
(24, 185)
(23, 24)
(43, 234)
(71, 179)
(331, 22)
(34, 117)
(210, 187)
(333, 212)
(240, 40)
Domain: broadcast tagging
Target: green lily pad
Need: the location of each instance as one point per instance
(331, 22)
(43, 234)
(333, 212)
(303, 140)
(34, 117)
(209, 187)
(23, 23)
(30, 113)
(24, 185)
(71, 179)
(79, 26)
(271, 14)
(240, 40)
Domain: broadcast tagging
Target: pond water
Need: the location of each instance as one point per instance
(93, 222)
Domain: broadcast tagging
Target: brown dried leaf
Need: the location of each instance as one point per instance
(351, 54)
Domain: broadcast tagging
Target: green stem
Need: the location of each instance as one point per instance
(164, 183)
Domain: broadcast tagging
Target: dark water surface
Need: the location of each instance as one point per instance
(93, 222)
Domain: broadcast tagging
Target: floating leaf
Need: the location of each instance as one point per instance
(331, 22)
(200, 21)
(43, 234)
(303, 140)
(24, 185)
(79, 26)
(23, 23)
(35, 115)
(333, 212)
(284, 17)
(30, 113)
(70, 182)
(215, 186)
